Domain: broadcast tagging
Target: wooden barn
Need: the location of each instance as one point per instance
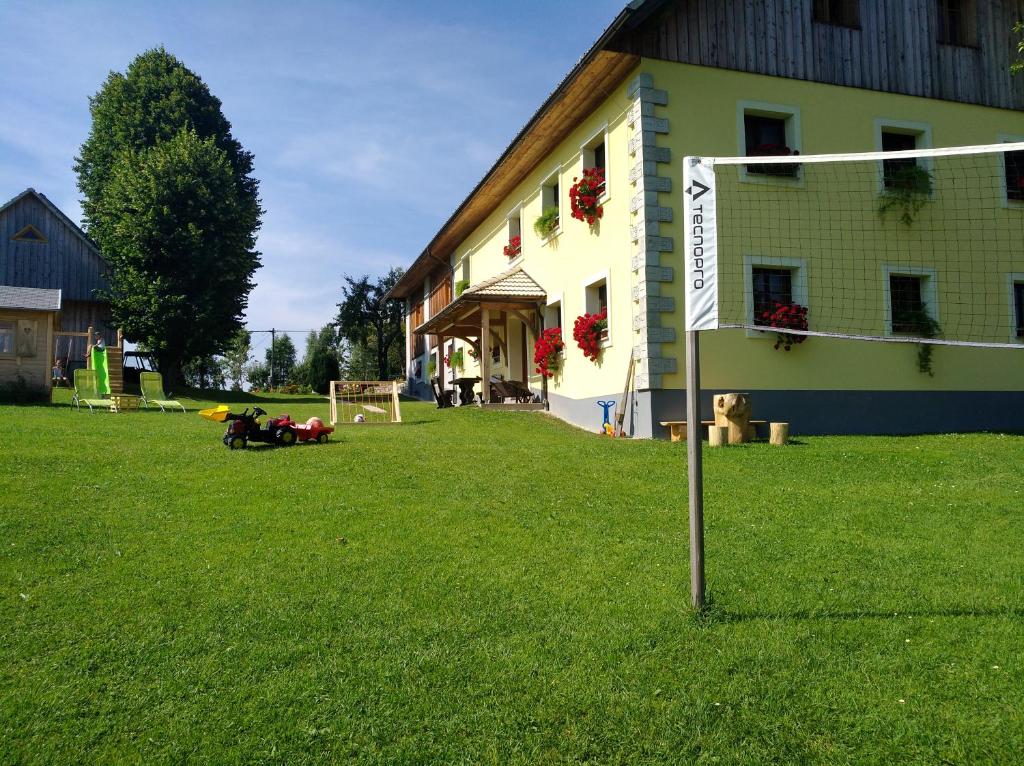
(40, 247)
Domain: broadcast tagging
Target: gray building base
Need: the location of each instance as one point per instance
(809, 413)
(814, 413)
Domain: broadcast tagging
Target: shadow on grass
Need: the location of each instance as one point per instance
(714, 615)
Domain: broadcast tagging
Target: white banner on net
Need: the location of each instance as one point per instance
(701, 244)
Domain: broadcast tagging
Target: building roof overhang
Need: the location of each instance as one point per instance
(590, 82)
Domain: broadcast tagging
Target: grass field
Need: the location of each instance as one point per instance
(481, 587)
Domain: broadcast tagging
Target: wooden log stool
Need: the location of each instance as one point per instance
(779, 434)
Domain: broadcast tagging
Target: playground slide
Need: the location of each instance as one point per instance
(99, 363)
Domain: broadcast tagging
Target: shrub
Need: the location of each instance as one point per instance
(323, 368)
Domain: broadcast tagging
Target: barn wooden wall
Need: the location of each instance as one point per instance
(64, 262)
(894, 50)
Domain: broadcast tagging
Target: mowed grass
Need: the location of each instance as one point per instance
(481, 587)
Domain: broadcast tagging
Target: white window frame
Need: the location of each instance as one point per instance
(798, 284)
(929, 292)
(587, 147)
(556, 300)
(601, 276)
(1011, 204)
(922, 131)
(462, 265)
(516, 212)
(1014, 278)
(791, 115)
(14, 336)
(546, 184)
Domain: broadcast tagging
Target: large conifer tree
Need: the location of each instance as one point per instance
(170, 199)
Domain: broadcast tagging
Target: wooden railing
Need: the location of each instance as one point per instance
(440, 296)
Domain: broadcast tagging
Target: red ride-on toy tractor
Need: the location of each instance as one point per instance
(282, 430)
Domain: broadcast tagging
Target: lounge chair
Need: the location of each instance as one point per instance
(152, 385)
(87, 392)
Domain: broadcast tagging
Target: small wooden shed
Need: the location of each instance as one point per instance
(28, 318)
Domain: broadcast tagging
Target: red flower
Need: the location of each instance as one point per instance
(584, 194)
(587, 331)
(786, 316)
(514, 246)
(547, 351)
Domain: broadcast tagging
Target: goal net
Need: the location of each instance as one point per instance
(903, 246)
(355, 402)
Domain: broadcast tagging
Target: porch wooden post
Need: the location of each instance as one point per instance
(485, 353)
(440, 363)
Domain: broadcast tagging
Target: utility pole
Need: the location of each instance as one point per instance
(273, 338)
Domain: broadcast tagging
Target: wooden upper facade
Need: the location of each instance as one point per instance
(957, 50)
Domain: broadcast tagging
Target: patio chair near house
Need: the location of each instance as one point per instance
(87, 392)
(152, 385)
(444, 397)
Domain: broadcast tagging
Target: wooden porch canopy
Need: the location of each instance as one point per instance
(512, 291)
(468, 317)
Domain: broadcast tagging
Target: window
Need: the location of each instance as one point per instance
(553, 315)
(596, 301)
(1018, 307)
(894, 170)
(905, 301)
(903, 172)
(550, 206)
(7, 330)
(958, 22)
(770, 286)
(514, 248)
(594, 155)
(769, 130)
(768, 280)
(1013, 163)
(911, 300)
(29, 234)
(843, 13)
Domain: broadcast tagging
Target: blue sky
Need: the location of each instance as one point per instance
(370, 122)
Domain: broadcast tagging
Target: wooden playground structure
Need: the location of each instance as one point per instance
(356, 402)
(68, 348)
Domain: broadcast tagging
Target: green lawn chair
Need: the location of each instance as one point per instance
(152, 385)
(87, 392)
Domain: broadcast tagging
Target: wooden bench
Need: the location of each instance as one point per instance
(677, 428)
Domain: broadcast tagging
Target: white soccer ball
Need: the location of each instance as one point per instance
(360, 418)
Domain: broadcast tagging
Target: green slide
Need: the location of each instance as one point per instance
(99, 363)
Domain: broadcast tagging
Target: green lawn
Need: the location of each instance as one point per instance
(482, 587)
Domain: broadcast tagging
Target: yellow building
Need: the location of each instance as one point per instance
(688, 78)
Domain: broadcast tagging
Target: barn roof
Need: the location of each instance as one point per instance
(29, 298)
(74, 227)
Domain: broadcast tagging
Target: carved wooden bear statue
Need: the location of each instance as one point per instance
(733, 410)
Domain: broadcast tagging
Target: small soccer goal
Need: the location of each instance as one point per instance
(355, 402)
